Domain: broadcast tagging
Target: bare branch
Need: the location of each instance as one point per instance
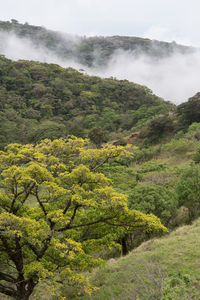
(67, 207)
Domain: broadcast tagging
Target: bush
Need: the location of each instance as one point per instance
(193, 130)
(145, 154)
(158, 128)
(151, 166)
(180, 146)
(188, 190)
(196, 157)
(154, 199)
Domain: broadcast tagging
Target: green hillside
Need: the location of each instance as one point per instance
(40, 100)
(165, 268)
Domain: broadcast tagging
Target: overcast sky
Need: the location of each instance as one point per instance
(158, 19)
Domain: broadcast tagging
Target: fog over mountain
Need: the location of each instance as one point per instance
(16, 48)
(174, 78)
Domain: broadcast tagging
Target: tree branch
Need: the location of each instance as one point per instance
(8, 291)
(40, 203)
(74, 214)
(7, 277)
(67, 206)
(82, 225)
(126, 225)
(16, 195)
(103, 162)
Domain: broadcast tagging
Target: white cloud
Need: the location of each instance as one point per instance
(175, 78)
(16, 48)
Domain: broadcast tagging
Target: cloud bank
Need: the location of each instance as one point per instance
(16, 48)
(175, 78)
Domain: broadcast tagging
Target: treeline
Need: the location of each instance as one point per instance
(84, 50)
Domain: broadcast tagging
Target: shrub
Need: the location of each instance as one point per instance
(188, 190)
(180, 146)
(154, 199)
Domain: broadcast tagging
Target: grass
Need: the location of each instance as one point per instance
(167, 268)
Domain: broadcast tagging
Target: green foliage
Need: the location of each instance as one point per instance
(158, 128)
(196, 157)
(188, 190)
(179, 146)
(193, 130)
(162, 267)
(151, 166)
(55, 102)
(138, 118)
(189, 112)
(56, 211)
(176, 287)
(98, 136)
(154, 199)
(123, 178)
(145, 154)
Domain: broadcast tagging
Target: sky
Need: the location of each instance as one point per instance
(156, 19)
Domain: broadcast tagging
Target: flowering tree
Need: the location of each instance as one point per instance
(55, 211)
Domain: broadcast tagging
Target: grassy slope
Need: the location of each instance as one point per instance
(169, 265)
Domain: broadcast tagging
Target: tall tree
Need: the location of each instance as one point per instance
(55, 211)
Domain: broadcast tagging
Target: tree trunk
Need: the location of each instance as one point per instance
(25, 291)
(124, 246)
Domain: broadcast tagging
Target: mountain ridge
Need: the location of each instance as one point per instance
(85, 49)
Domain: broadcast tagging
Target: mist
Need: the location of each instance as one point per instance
(15, 48)
(175, 78)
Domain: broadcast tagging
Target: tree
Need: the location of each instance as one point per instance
(188, 112)
(154, 199)
(55, 211)
(188, 190)
(98, 136)
(158, 128)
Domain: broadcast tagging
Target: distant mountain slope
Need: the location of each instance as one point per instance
(39, 100)
(88, 51)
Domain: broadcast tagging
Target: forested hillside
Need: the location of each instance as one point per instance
(46, 101)
(91, 51)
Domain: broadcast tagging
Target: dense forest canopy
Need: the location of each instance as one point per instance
(40, 100)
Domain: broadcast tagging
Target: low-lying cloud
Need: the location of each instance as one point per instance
(175, 78)
(16, 48)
